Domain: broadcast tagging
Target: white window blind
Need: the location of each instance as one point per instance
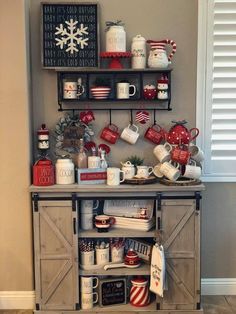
(218, 113)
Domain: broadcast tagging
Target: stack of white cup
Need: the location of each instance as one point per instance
(86, 214)
(88, 297)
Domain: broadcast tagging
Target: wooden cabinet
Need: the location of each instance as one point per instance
(56, 234)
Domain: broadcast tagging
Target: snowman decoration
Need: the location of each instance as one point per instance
(162, 88)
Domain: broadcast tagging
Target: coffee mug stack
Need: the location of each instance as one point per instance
(88, 297)
(178, 160)
(88, 207)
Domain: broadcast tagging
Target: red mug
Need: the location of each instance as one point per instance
(104, 222)
(110, 133)
(180, 155)
(86, 116)
(154, 134)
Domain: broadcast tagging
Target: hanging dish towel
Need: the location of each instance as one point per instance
(157, 281)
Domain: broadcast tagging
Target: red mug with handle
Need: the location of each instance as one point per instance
(180, 155)
(86, 116)
(154, 134)
(110, 133)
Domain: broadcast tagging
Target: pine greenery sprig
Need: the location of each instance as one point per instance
(135, 160)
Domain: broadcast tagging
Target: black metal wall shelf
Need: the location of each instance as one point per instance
(139, 78)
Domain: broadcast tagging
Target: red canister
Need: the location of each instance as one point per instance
(139, 292)
(43, 173)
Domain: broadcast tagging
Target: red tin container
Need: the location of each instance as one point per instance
(43, 173)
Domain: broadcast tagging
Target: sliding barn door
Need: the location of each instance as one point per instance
(56, 269)
(180, 223)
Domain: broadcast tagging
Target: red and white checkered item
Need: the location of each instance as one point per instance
(142, 116)
(161, 45)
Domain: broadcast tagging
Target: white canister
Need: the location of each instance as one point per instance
(138, 50)
(116, 39)
(65, 171)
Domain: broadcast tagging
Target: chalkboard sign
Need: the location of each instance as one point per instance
(70, 35)
(112, 291)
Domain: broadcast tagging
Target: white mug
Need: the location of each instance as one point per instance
(144, 171)
(123, 90)
(86, 221)
(162, 152)
(196, 153)
(113, 176)
(117, 254)
(192, 171)
(70, 90)
(88, 206)
(87, 300)
(170, 171)
(87, 258)
(88, 284)
(94, 162)
(157, 171)
(102, 256)
(129, 135)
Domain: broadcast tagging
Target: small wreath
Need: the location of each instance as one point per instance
(68, 132)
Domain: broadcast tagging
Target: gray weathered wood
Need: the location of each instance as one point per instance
(56, 274)
(56, 251)
(180, 239)
(104, 189)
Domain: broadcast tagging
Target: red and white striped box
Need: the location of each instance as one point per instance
(91, 176)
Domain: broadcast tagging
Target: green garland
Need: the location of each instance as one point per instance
(60, 127)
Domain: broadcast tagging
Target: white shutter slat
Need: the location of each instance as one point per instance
(224, 105)
(225, 7)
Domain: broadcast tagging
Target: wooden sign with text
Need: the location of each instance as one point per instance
(70, 35)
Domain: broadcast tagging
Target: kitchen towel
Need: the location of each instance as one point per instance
(157, 281)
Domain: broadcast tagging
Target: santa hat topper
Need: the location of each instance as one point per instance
(161, 45)
(163, 80)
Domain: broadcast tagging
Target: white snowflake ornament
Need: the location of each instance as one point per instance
(71, 36)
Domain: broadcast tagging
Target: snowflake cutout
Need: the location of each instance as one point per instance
(71, 36)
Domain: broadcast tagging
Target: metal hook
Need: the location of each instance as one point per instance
(110, 115)
(131, 116)
(154, 116)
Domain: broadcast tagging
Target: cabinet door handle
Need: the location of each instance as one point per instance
(74, 226)
(158, 223)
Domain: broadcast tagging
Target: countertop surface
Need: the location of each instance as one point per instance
(123, 188)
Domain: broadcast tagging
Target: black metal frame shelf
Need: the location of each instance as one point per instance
(112, 103)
